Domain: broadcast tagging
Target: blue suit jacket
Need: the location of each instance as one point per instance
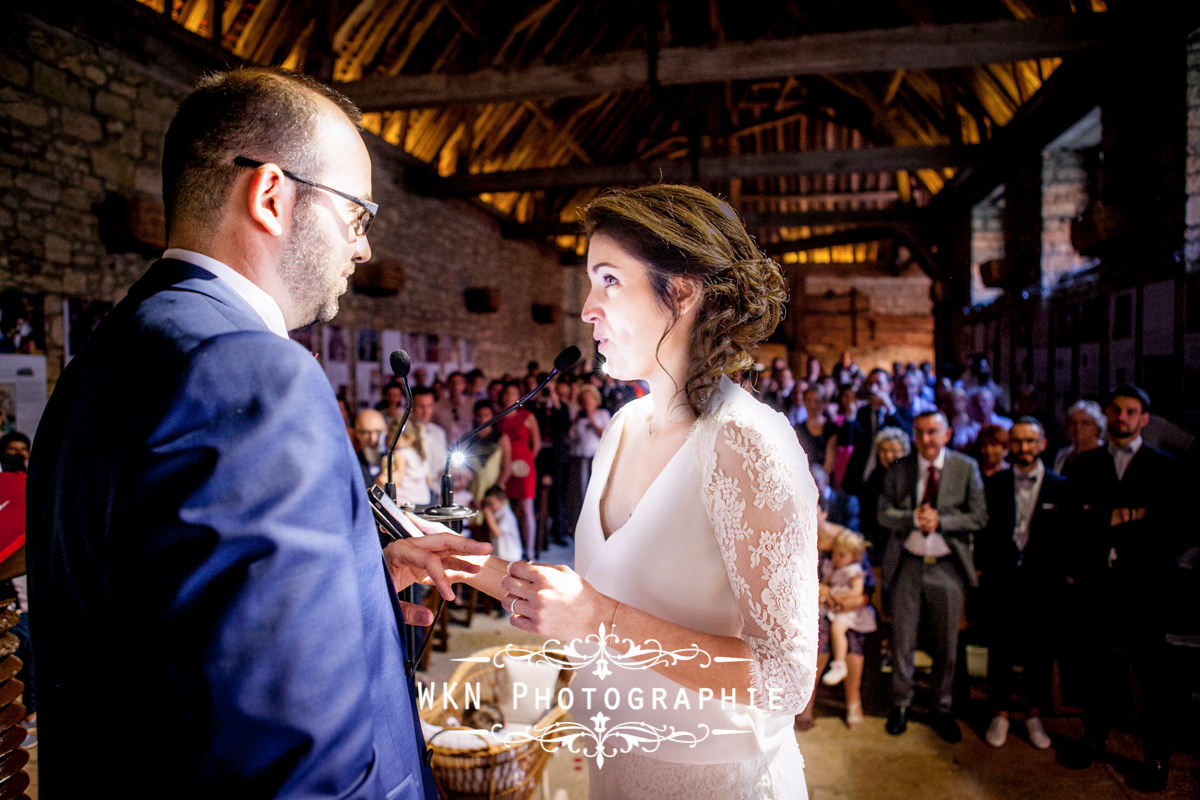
(207, 586)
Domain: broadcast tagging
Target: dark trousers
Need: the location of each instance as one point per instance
(1120, 630)
(936, 594)
(1018, 632)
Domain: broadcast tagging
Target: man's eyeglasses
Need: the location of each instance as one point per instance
(367, 209)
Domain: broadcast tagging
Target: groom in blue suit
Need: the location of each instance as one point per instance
(211, 614)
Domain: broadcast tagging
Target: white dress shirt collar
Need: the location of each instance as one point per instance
(939, 462)
(263, 304)
(1130, 448)
(1036, 472)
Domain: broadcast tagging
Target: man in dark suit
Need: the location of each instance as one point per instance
(932, 503)
(878, 413)
(203, 559)
(1122, 564)
(1020, 558)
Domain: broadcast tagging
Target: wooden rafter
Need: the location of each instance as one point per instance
(888, 49)
(715, 168)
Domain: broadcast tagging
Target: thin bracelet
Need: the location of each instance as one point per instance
(612, 625)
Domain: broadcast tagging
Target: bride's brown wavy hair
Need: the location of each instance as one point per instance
(681, 231)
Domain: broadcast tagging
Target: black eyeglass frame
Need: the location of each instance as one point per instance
(360, 222)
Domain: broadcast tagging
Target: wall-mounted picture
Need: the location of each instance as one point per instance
(22, 322)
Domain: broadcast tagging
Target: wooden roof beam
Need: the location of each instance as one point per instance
(880, 50)
(712, 168)
(864, 224)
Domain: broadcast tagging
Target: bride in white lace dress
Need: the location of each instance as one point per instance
(699, 525)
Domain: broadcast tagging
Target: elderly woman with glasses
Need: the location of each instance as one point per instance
(1086, 426)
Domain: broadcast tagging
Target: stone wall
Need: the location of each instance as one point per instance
(1192, 234)
(81, 123)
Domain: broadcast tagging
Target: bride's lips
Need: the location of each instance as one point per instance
(600, 343)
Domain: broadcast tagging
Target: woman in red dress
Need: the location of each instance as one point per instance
(521, 428)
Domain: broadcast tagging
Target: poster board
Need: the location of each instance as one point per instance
(22, 392)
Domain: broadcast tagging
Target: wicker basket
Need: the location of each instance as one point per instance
(494, 771)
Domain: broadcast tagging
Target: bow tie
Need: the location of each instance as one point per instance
(1025, 480)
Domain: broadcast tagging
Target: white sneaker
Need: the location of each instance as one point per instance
(836, 673)
(1037, 734)
(997, 732)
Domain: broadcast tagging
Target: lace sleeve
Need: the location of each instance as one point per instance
(762, 503)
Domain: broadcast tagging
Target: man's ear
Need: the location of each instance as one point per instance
(268, 199)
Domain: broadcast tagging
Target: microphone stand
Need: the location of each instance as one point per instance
(409, 593)
(447, 498)
(565, 360)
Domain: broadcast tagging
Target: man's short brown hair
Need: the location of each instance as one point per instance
(266, 114)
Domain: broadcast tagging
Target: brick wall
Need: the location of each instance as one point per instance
(81, 122)
(892, 321)
(987, 244)
(1064, 196)
(1192, 234)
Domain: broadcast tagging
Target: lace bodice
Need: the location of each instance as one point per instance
(723, 541)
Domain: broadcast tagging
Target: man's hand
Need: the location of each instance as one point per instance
(432, 559)
(926, 518)
(1120, 516)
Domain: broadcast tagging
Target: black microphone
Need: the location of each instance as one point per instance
(401, 364)
(565, 360)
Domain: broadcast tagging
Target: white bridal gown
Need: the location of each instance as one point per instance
(723, 541)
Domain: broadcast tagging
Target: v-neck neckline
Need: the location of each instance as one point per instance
(606, 535)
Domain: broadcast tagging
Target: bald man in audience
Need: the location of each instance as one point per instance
(369, 443)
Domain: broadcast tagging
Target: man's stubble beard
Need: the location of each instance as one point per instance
(306, 265)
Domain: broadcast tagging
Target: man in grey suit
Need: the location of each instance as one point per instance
(932, 502)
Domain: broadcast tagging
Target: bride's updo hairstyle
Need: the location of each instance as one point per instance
(680, 231)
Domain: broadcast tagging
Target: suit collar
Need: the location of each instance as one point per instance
(182, 276)
(255, 296)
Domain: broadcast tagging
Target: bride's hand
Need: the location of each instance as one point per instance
(553, 601)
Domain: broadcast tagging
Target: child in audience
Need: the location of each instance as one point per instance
(842, 579)
(501, 524)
